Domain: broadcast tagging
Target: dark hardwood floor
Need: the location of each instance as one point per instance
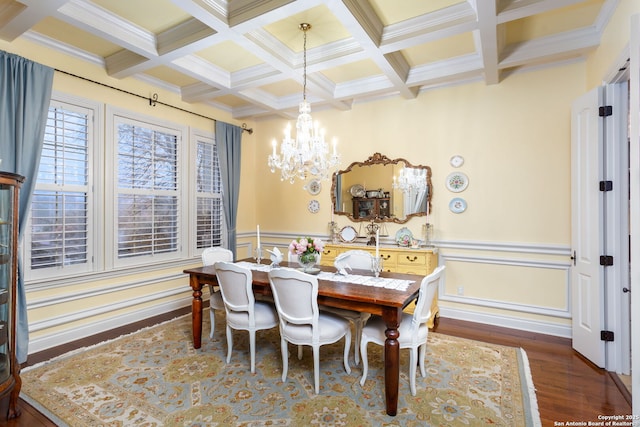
(568, 387)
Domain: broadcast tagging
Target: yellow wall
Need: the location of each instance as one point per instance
(509, 250)
(515, 139)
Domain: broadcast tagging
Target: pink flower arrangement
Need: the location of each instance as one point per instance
(306, 246)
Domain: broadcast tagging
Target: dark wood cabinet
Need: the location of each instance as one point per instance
(371, 207)
(9, 369)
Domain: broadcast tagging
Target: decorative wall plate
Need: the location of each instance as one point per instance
(457, 205)
(313, 206)
(404, 237)
(357, 190)
(348, 234)
(314, 187)
(456, 161)
(457, 182)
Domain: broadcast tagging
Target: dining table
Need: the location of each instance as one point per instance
(385, 296)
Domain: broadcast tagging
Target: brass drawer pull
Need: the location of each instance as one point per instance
(385, 257)
(415, 258)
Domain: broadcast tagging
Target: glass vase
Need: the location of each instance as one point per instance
(307, 261)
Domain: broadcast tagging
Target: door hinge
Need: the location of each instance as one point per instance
(606, 260)
(606, 185)
(606, 335)
(605, 110)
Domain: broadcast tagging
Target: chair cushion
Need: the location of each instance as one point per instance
(375, 327)
(332, 327)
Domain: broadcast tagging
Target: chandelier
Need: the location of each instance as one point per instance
(306, 156)
(411, 180)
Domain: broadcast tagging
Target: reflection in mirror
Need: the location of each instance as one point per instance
(413, 184)
(382, 189)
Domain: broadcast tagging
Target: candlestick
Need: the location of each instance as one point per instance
(377, 239)
(427, 215)
(258, 235)
(331, 212)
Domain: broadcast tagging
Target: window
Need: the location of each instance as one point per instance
(209, 212)
(148, 217)
(60, 217)
(110, 197)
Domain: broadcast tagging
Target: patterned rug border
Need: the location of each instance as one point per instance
(527, 386)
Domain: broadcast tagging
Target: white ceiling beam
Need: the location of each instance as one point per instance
(440, 71)
(488, 40)
(183, 39)
(443, 23)
(571, 43)
(96, 20)
(16, 18)
(365, 26)
(510, 10)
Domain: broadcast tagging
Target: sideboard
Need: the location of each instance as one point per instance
(420, 261)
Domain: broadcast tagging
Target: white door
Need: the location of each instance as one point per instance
(587, 277)
(634, 170)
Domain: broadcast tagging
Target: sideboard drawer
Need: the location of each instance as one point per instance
(389, 259)
(421, 270)
(329, 255)
(412, 258)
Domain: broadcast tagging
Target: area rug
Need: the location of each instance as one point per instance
(154, 377)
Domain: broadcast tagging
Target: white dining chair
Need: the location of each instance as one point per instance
(359, 260)
(301, 321)
(243, 311)
(413, 329)
(209, 257)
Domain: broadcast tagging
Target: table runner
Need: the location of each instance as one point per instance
(380, 282)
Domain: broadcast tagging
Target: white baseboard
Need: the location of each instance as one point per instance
(546, 328)
(88, 329)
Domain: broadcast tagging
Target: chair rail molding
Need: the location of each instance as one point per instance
(520, 247)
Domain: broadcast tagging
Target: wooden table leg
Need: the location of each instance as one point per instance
(391, 360)
(14, 410)
(196, 311)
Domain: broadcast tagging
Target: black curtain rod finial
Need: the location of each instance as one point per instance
(247, 129)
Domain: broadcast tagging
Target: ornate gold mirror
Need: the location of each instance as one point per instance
(382, 189)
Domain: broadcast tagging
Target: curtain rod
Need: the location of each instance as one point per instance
(153, 100)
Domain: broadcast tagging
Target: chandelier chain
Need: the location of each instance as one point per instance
(305, 28)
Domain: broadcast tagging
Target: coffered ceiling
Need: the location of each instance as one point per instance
(246, 57)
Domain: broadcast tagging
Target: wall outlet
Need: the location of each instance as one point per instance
(460, 290)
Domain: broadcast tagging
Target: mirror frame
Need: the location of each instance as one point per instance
(381, 159)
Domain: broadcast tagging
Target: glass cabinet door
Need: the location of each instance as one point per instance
(6, 276)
